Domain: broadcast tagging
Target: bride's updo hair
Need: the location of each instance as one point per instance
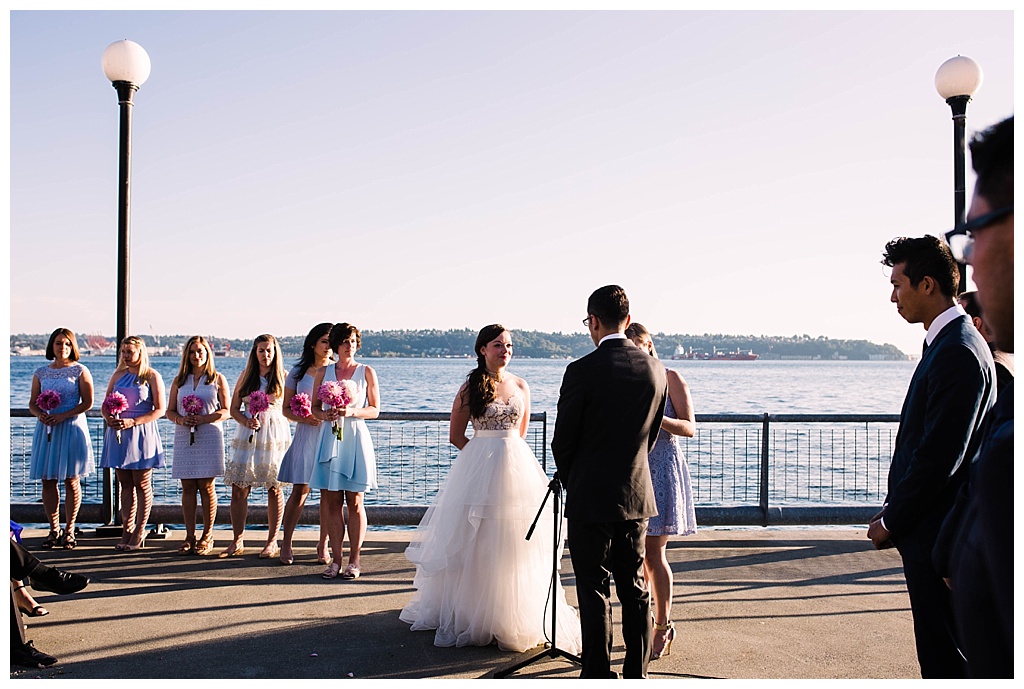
(481, 383)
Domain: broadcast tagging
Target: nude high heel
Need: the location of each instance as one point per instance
(670, 635)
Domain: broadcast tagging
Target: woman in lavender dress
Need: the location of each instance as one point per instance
(198, 438)
(672, 493)
(297, 464)
(61, 450)
(131, 442)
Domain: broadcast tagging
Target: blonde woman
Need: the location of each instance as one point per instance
(131, 442)
(197, 406)
(260, 442)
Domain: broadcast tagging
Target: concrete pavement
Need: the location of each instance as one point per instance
(748, 603)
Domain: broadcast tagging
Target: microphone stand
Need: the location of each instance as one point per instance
(553, 651)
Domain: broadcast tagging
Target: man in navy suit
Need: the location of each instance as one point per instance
(950, 392)
(979, 534)
(609, 412)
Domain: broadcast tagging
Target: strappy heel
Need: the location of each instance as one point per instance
(53, 539)
(670, 635)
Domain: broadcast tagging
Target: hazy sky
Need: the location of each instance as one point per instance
(737, 172)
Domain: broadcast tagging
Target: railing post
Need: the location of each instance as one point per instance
(763, 490)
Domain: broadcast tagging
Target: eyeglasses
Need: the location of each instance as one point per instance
(961, 239)
(586, 322)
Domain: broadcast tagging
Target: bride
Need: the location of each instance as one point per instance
(478, 580)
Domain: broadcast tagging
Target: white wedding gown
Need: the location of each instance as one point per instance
(478, 580)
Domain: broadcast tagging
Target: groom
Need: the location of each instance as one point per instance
(609, 412)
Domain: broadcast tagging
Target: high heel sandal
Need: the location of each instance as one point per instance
(67, 541)
(138, 546)
(205, 546)
(36, 610)
(52, 539)
(670, 635)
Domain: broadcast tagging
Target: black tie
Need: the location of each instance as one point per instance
(924, 347)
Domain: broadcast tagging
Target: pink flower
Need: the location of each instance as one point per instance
(338, 394)
(48, 400)
(191, 405)
(301, 405)
(258, 403)
(115, 404)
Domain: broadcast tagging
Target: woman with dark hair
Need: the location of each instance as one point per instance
(61, 450)
(478, 579)
(131, 442)
(673, 495)
(197, 406)
(346, 466)
(260, 441)
(297, 464)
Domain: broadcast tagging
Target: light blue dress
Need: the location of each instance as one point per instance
(348, 464)
(69, 451)
(140, 447)
(298, 461)
(673, 492)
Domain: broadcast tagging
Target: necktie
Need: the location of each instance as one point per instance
(924, 347)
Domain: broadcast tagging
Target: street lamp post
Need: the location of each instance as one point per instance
(127, 66)
(956, 80)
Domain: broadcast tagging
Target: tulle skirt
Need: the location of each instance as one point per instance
(478, 580)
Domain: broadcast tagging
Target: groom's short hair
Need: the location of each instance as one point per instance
(610, 304)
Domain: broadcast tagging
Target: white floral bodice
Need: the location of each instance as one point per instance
(501, 416)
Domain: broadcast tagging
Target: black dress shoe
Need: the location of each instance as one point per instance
(56, 581)
(27, 656)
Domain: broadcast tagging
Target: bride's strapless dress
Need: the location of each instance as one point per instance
(478, 580)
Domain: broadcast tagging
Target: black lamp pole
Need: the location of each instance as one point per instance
(958, 104)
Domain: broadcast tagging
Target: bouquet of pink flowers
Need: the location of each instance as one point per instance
(48, 400)
(191, 405)
(115, 404)
(258, 403)
(337, 394)
(301, 405)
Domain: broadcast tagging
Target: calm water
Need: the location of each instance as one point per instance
(777, 387)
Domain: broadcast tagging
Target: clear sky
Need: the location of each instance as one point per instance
(737, 172)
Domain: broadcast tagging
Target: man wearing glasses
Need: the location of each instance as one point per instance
(981, 533)
(952, 388)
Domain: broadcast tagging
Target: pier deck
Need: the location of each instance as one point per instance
(749, 603)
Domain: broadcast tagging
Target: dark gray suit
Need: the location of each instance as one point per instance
(952, 389)
(609, 411)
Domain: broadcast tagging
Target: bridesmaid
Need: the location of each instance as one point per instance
(61, 449)
(673, 495)
(139, 449)
(345, 469)
(297, 464)
(198, 458)
(256, 462)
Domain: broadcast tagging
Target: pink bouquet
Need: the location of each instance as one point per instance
(191, 405)
(48, 400)
(337, 394)
(301, 405)
(115, 404)
(258, 403)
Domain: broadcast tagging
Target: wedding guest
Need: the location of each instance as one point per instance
(61, 449)
(131, 442)
(478, 579)
(197, 406)
(673, 494)
(297, 464)
(951, 390)
(346, 466)
(260, 442)
(1003, 360)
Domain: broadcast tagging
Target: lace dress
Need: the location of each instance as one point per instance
(205, 457)
(256, 464)
(673, 492)
(478, 580)
(68, 453)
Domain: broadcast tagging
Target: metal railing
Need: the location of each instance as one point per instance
(745, 468)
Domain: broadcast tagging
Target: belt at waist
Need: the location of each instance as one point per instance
(508, 433)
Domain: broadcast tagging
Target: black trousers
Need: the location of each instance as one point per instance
(932, 605)
(600, 551)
